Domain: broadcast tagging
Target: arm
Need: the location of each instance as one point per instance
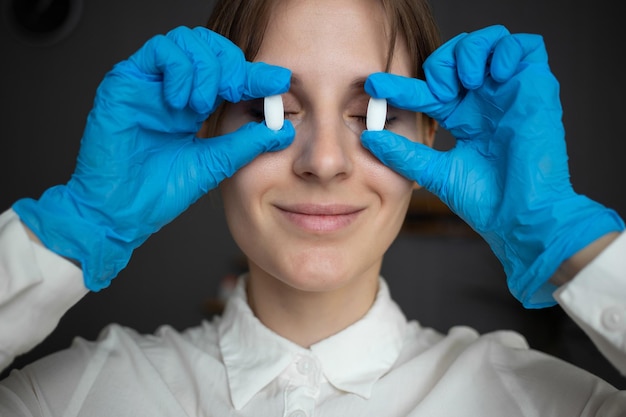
(596, 297)
(572, 266)
(31, 275)
(507, 175)
(140, 165)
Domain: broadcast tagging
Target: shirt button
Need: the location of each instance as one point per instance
(614, 318)
(298, 413)
(305, 365)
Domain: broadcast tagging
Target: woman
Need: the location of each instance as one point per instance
(324, 204)
(311, 328)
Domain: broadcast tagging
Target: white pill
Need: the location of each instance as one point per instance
(274, 112)
(376, 114)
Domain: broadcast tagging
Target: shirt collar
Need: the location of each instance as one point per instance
(352, 360)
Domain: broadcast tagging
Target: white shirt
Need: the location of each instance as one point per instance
(380, 366)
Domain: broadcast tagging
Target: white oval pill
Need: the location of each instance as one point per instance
(274, 112)
(376, 114)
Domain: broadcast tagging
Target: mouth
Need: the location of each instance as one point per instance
(324, 218)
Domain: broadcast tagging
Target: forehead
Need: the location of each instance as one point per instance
(347, 36)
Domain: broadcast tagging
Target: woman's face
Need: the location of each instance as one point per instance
(320, 214)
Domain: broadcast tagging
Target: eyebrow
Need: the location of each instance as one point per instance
(357, 84)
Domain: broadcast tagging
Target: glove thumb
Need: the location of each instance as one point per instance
(413, 160)
(222, 156)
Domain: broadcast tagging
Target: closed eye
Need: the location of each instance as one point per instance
(256, 113)
(388, 121)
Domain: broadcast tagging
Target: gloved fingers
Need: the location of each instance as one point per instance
(441, 73)
(208, 64)
(474, 52)
(161, 57)
(413, 160)
(442, 91)
(264, 80)
(511, 50)
(243, 80)
(403, 92)
(200, 68)
(221, 156)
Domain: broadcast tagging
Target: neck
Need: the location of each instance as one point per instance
(307, 317)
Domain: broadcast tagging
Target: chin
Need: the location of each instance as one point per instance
(319, 280)
(325, 273)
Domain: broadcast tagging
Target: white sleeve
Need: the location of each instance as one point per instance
(36, 288)
(596, 300)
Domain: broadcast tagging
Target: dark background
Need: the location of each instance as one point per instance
(47, 85)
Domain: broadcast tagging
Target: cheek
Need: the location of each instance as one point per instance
(244, 191)
(238, 204)
(391, 186)
(232, 194)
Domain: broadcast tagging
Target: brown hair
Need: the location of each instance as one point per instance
(244, 22)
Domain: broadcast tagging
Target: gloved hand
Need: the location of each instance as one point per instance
(507, 175)
(140, 163)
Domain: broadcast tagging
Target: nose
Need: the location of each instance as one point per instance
(325, 150)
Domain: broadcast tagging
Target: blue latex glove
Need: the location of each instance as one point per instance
(507, 175)
(140, 163)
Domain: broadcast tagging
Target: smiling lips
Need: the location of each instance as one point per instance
(320, 218)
